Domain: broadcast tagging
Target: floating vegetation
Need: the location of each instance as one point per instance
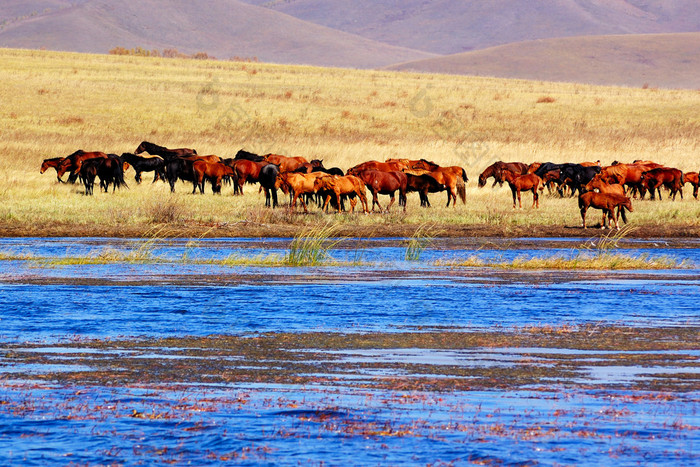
(580, 261)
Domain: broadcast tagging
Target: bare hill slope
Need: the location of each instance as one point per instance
(661, 60)
(448, 26)
(223, 28)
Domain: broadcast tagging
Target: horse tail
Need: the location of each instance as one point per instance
(464, 176)
(461, 191)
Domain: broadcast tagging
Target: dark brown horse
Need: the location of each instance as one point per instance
(385, 183)
(73, 162)
(52, 163)
(453, 177)
(164, 152)
(496, 169)
(607, 203)
(245, 171)
(423, 184)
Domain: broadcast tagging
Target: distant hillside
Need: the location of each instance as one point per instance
(448, 26)
(223, 28)
(659, 60)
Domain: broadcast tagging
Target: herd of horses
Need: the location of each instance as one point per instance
(604, 188)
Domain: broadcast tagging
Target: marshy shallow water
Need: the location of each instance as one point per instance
(167, 351)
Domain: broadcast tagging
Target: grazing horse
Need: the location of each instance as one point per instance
(52, 163)
(146, 164)
(110, 170)
(347, 185)
(496, 169)
(607, 203)
(576, 176)
(286, 163)
(670, 178)
(597, 183)
(74, 161)
(526, 182)
(298, 185)
(215, 172)
(423, 184)
(164, 152)
(385, 183)
(178, 168)
(693, 179)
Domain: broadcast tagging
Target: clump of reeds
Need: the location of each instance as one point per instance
(415, 246)
(311, 248)
(580, 261)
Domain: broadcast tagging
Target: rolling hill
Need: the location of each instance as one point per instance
(657, 60)
(223, 28)
(448, 27)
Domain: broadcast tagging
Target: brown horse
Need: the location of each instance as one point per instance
(670, 178)
(607, 203)
(74, 161)
(597, 183)
(453, 178)
(346, 185)
(215, 172)
(385, 183)
(298, 185)
(388, 166)
(423, 184)
(52, 163)
(693, 179)
(246, 171)
(526, 182)
(286, 163)
(496, 169)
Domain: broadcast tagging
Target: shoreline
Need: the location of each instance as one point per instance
(259, 230)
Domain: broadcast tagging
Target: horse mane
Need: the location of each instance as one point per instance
(243, 154)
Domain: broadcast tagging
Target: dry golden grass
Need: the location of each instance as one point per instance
(56, 103)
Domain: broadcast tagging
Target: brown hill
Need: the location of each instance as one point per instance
(448, 26)
(223, 28)
(658, 60)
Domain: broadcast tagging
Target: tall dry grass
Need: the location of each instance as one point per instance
(55, 103)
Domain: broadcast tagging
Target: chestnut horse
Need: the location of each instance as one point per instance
(453, 178)
(298, 185)
(245, 171)
(286, 163)
(388, 166)
(423, 184)
(526, 182)
(215, 172)
(496, 169)
(52, 163)
(385, 183)
(607, 203)
(693, 179)
(346, 185)
(670, 178)
(597, 183)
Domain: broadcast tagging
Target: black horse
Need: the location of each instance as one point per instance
(267, 179)
(179, 169)
(575, 176)
(145, 164)
(164, 152)
(110, 172)
(242, 154)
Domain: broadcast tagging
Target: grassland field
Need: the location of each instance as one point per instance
(55, 103)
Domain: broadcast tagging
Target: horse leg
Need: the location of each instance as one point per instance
(325, 205)
(274, 197)
(535, 198)
(337, 199)
(520, 202)
(390, 202)
(512, 189)
(583, 215)
(602, 222)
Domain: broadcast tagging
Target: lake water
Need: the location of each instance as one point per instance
(45, 305)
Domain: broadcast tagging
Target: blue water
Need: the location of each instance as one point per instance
(58, 424)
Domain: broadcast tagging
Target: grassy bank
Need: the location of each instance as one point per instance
(56, 103)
